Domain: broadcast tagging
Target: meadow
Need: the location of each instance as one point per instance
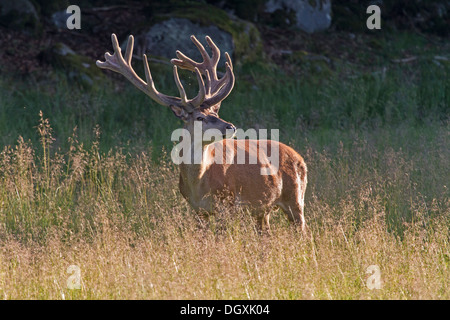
(86, 180)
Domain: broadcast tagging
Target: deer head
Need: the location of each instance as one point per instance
(212, 91)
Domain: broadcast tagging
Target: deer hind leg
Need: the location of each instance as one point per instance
(294, 202)
(295, 214)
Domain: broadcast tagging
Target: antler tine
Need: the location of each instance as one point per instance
(215, 54)
(128, 51)
(198, 100)
(225, 89)
(227, 56)
(201, 48)
(216, 89)
(183, 97)
(208, 83)
(117, 63)
(208, 63)
(185, 62)
(225, 78)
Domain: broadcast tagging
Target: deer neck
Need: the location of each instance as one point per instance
(193, 171)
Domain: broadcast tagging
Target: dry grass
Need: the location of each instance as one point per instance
(174, 264)
(122, 221)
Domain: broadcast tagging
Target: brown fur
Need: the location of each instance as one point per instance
(199, 183)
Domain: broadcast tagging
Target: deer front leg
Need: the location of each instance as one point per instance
(263, 222)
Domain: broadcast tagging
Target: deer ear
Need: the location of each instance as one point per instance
(214, 108)
(180, 112)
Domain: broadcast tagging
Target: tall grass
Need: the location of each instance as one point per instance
(79, 185)
(121, 220)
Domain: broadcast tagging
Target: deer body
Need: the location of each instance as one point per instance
(222, 172)
(244, 182)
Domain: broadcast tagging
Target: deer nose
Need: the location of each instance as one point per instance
(231, 127)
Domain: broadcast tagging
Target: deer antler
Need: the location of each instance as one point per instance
(118, 63)
(216, 89)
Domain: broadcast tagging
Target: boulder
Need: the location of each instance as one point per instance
(309, 15)
(48, 7)
(76, 67)
(59, 19)
(160, 40)
(169, 32)
(19, 15)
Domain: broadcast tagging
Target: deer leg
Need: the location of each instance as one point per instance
(263, 222)
(202, 218)
(295, 215)
(293, 202)
(294, 209)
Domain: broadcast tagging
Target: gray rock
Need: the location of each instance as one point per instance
(62, 49)
(19, 14)
(311, 15)
(77, 67)
(59, 19)
(165, 38)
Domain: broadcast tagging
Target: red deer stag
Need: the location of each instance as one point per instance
(283, 186)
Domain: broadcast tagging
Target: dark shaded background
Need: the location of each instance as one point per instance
(27, 43)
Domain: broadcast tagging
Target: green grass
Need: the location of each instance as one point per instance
(105, 196)
(388, 94)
